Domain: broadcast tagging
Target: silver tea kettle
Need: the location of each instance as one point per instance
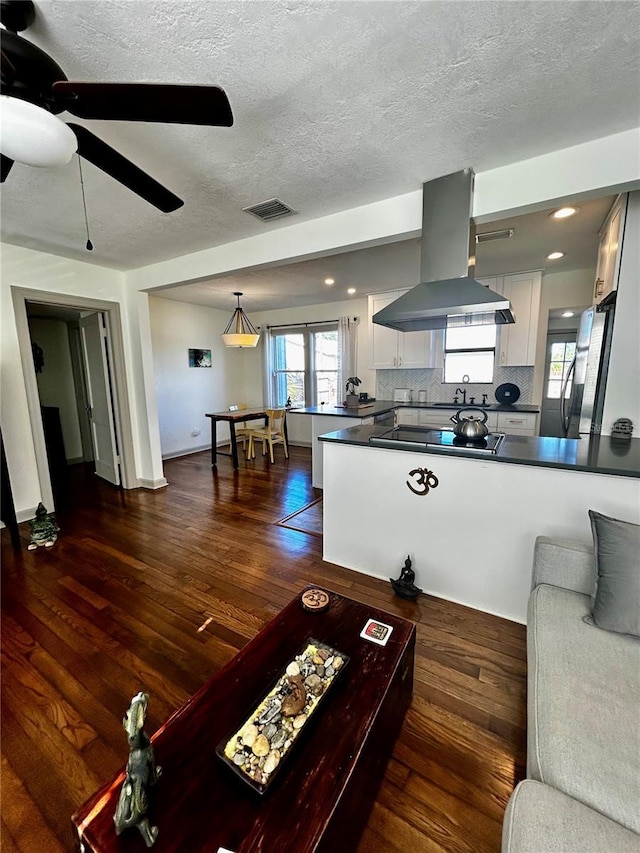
(471, 428)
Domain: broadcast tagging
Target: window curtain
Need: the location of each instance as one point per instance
(266, 342)
(347, 352)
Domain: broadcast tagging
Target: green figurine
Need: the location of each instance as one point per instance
(44, 530)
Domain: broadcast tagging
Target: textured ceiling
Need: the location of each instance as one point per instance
(336, 104)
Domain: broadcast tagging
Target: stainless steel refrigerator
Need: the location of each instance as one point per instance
(581, 413)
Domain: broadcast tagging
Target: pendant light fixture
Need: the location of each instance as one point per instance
(240, 331)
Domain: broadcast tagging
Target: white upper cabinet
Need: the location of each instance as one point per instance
(609, 251)
(391, 349)
(516, 344)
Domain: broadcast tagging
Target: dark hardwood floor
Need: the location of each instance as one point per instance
(157, 590)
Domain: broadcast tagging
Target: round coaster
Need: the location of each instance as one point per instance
(315, 600)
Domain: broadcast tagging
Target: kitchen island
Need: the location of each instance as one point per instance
(323, 420)
(376, 412)
(469, 520)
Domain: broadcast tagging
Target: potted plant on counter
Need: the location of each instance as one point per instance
(352, 398)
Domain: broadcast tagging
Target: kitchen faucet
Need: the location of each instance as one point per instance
(462, 391)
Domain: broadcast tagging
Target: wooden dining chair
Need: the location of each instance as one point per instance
(242, 429)
(272, 433)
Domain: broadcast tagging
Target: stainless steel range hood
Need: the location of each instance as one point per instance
(448, 294)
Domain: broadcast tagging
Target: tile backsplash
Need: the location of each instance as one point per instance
(437, 392)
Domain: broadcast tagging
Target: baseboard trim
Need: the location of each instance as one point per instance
(177, 453)
(22, 515)
(152, 484)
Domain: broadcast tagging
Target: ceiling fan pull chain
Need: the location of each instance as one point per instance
(84, 205)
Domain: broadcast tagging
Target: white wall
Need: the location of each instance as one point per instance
(55, 383)
(622, 398)
(573, 288)
(184, 394)
(38, 271)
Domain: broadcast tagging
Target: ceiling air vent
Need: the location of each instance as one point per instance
(494, 235)
(271, 209)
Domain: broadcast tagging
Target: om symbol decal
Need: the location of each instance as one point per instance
(424, 479)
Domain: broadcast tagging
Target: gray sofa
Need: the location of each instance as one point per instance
(582, 792)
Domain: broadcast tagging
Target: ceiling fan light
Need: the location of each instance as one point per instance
(240, 331)
(31, 135)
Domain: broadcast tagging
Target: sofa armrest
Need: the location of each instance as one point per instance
(564, 563)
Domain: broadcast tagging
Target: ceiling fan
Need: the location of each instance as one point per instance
(34, 89)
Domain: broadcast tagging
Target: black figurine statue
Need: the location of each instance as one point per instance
(141, 772)
(404, 586)
(44, 530)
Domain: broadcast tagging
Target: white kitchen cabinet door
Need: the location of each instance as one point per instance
(392, 349)
(384, 342)
(517, 423)
(609, 251)
(414, 349)
(516, 344)
(436, 418)
(405, 416)
(441, 418)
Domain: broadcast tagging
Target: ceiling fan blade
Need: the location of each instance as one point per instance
(203, 105)
(5, 167)
(7, 67)
(110, 161)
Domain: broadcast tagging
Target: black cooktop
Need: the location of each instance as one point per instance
(441, 438)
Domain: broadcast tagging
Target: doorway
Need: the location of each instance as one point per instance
(72, 363)
(79, 412)
(562, 332)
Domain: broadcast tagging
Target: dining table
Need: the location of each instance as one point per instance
(232, 418)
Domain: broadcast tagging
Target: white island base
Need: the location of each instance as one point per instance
(320, 425)
(471, 538)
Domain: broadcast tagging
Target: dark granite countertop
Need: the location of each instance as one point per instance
(379, 407)
(598, 454)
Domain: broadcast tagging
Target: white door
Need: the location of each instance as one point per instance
(103, 434)
(561, 349)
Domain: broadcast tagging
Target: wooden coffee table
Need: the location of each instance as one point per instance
(321, 799)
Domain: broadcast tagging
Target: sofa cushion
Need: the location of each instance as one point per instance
(540, 819)
(583, 702)
(616, 606)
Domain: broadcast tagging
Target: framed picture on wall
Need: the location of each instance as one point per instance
(199, 358)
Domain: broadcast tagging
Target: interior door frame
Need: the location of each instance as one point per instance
(122, 412)
(564, 333)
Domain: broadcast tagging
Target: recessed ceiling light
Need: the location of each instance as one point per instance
(563, 212)
(555, 255)
(329, 281)
(351, 290)
(567, 313)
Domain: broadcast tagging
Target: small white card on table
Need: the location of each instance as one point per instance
(376, 632)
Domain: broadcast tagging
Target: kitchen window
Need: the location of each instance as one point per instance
(305, 365)
(469, 353)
